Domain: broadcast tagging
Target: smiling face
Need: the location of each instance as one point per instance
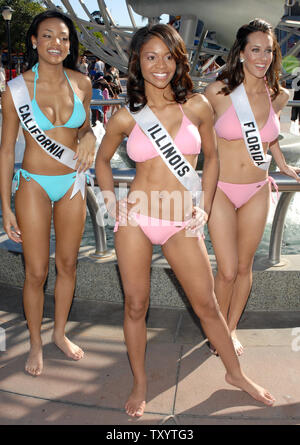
(158, 66)
(258, 54)
(52, 40)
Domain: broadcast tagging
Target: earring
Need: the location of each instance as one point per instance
(242, 60)
(69, 53)
(33, 46)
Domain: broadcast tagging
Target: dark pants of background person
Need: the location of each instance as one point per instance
(96, 115)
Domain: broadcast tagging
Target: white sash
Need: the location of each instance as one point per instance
(250, 129)
(170, 154)
(56, 150)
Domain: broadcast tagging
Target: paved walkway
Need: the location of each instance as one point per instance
(186, 383)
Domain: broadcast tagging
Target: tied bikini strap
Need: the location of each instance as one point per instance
(272, 182)
(16, 179)
(27, 177)
(36, 76)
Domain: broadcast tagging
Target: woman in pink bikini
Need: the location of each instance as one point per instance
(249, 84)
(159, 84)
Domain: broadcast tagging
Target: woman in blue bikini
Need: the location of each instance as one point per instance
(52, 171)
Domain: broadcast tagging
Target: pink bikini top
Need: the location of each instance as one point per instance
(188, 140)
(228, 125)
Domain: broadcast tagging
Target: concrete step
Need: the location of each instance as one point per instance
(274, 288)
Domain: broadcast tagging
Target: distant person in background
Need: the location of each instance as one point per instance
(91, 70)
(83, 66)
(99, 67)
(97, 110)
(114, 72)
(112, 86)
(295, 114)
(115, 89)
(107, 94)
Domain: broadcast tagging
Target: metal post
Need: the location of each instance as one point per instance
(188, 29)
(277, 228)
(7, 15)
(9, 47)
(101, 251)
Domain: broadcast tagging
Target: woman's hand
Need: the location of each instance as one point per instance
(85, 152)
(291, 171)
(11, 227)
(198, 220)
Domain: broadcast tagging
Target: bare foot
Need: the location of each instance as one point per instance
(135, 405)
(254, 390)
(34, 362)
(237, 345)
(70, 349)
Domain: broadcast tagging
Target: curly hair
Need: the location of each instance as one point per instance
(32, 55)
(181, 82)
(234, 73)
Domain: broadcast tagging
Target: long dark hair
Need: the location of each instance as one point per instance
(233, 72)
(32, 55)
(181, 83)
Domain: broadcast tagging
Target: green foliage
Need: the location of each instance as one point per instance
(99, 36)
(290, 63)
(24, 11)
(82, 48)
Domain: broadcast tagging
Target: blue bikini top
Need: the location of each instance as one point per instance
(75, 121)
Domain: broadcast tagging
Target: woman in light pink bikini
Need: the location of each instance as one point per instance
(158, 79)
(240, 208)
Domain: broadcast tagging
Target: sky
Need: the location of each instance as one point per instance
(117, 9)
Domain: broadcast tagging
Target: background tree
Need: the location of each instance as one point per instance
(23, 14)
(24, 11)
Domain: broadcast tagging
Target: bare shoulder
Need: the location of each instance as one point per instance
(212, 92)
(6, 99)
(84, 82)
(28, 75)
(121, 122)
(214, 87)
(283, 98)
(8, 108)
(199, 104)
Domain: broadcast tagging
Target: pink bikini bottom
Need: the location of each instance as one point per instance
(158, 231)
(239, 194)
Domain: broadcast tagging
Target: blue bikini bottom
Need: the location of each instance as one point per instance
(55, 186)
